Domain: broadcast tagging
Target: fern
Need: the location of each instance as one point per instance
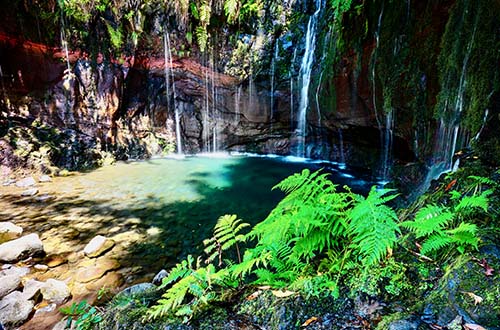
(373, 226)
(231, 9)
(226, 235)
(468, 203)
(428, 220)
(187, 279)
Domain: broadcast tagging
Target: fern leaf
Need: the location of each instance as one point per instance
(468, 203)
(429, 219)
(435, 242)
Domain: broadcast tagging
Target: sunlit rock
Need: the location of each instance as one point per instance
(55, 291)
(29, 192)
(9, 231)
(25, 246)
(26, 182)
(97, 246)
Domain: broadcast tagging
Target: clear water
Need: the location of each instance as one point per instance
(172, 204)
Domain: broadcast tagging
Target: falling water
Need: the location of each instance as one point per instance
(214, 105)
(450, 133)
(206, 109)
(169, 74)
(387, 148)
(341, 147)
(273, 72)
(237, 102)
(374, 81)
(306, 70)
(291, 87)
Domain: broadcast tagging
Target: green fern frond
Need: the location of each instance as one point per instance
(464, 234)
(468, 203)
(373, 226)
(435, 242)
(482, 180)
(429, 219)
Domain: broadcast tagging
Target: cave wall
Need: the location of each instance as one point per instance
(389, 86)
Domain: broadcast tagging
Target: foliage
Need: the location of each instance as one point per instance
(442, 226)
(373, 225)
(192, 287)
(226, 235)
(84, 315)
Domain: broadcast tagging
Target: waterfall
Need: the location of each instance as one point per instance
(273, 72)
(215, 133)
(206, 109)
(305, 72)
(387, 147)
(169, 74)
(342, 153)
(291, 87)
(237, 102)
(450, 135)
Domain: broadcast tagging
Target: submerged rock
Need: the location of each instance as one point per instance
(23, 247)
(9, 231)
(97, 246)
(15, 309)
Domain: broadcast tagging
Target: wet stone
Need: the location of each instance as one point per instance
(98, 246)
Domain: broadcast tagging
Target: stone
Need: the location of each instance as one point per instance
(32, 289)
(15, 309)
(26, 182)
(97, 246)
(55, 291)
(44, 178)
(8, 182)
(97, 270)
(9, 231)
(46, 309)
(40, 268)
(44, 198)
(135, 289)
(56, 260)
(10, 279)
(157, 280)
(8, 284)
(403, 325)
(23, 247)
(111, 280)
(29, 192)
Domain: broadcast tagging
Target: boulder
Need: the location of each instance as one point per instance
(135, 289)
(23, 247)
(26, 182)
(10, 279)
(15, 309)
(32, 289)
(96, 270)
(97, 246)
(29, 192)
(157, 280)
(55, 291)
(9, 231)
(8, 284)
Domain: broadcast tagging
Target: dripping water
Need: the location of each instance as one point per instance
(169, 75)
(273, 73)
(306, 70)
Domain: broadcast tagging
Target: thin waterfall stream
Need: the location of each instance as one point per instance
(305, 80)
